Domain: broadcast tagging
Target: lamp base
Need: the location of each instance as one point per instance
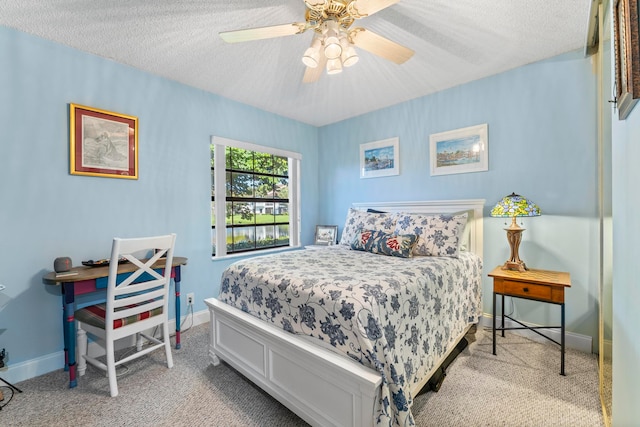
(515, 265)
(514, 236)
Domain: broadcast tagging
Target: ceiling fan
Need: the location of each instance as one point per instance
(333, 41)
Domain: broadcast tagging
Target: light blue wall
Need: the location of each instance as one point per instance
(626, 268)
(542, 144)
(45, 212)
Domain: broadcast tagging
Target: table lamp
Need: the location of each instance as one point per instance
(513, 206)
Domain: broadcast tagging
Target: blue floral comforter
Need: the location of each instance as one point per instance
(398, 316)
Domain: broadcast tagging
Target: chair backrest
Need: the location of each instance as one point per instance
(145, 289)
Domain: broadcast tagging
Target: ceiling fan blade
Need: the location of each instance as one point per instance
(312, 75)
(264, 32)
(381, 46)
(362, 8)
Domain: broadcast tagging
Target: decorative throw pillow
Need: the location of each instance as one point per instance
(379, 242)
(357, 219)
(438, 235)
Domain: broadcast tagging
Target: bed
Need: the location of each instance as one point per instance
(368, 330)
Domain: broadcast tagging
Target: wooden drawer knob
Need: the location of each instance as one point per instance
(525, 289)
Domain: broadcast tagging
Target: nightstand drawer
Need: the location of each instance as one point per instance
(526, 290)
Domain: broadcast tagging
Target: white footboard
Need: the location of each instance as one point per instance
(321, 387)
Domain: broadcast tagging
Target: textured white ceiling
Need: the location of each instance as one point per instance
(455, 41)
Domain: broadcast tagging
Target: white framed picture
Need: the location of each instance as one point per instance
(380, 158)
(460, 151)
(326, 235)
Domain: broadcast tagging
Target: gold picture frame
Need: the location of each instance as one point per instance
(627, 55)
(102, 143)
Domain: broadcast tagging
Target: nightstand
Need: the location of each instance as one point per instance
(537, 285)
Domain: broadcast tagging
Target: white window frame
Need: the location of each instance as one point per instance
(219, 167)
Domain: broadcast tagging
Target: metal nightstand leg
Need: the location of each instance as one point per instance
(494, 323)
(502, 308)
(562, 340)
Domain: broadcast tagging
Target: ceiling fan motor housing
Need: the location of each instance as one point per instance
(337, 10)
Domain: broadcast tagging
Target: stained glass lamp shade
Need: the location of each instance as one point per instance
(513, 206)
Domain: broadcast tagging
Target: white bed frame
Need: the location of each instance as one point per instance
(322, 387)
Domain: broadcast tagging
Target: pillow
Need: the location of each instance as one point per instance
(379, 242)
(357, 219)
(438, 235)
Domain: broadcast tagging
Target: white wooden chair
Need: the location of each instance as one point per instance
(134, 304)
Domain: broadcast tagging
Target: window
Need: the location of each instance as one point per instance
(254, 197)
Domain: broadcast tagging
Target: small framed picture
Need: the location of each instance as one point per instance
(379, 158)
(326, 234)
(460, 150)
(102, 143)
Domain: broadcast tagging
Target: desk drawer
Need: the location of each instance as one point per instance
(527, 290)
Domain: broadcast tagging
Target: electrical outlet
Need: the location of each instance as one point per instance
(190, 298)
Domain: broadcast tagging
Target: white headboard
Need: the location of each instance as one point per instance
(474, 207)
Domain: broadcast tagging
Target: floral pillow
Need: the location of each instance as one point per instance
(438, 235)
(379, 242)
(357, 219)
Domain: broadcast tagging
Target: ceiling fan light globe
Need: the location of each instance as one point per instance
(311, 58)
(332, 48)
(349, 57)
(334, 66)
(309, 62)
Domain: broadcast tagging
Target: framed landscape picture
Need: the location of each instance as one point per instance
(459, 151)
(102, 143)
(380, 158)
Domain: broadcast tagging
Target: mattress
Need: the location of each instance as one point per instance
(398, 316)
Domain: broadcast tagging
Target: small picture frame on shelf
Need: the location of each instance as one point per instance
(326, 235)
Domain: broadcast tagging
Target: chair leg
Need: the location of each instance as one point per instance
(82, 351)
(167, 344)
(139, 341)
(111, 368)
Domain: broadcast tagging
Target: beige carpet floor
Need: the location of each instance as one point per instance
(521, 386)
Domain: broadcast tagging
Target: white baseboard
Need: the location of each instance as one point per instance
(575, 341)
(41, 365)
(34, 367)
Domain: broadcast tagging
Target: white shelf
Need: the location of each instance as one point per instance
(314, 247)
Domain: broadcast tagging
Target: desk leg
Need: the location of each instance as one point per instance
(64, 331)
(69, 331)
(494, 323)
(176, 280)
(562, 340)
